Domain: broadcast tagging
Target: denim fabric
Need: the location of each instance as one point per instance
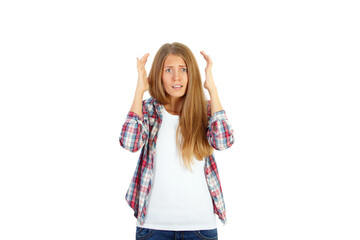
(154, 234)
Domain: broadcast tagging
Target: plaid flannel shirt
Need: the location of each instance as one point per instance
(141, 132)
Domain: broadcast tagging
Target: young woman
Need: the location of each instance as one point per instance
(174, 196)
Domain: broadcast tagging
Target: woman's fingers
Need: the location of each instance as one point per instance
(144, 58)
(142, 61)
(205, 56)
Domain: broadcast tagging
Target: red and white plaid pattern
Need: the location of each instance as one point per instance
(142, 133)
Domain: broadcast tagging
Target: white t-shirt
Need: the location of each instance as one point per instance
(179, 199)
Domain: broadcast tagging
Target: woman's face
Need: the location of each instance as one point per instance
(175, 73)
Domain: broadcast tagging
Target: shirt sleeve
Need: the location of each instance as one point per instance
(135, 130)
(220, 134)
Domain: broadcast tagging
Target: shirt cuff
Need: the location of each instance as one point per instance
(132, 114)
(219, 115)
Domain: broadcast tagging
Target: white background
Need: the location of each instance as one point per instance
(287, 74)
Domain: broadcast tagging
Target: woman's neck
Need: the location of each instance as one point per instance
(175, 105)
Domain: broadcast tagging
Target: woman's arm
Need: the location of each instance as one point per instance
(220, 134)
(215, 101)
(142, 85)
(136, 106)
(209, 84)
(135, 130)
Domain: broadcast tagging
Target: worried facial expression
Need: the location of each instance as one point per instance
(175, 76)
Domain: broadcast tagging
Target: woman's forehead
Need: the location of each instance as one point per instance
(172, 60)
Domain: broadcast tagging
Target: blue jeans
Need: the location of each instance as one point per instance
(154, 234)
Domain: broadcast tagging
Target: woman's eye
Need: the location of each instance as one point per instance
(167, 70)
(184, 69)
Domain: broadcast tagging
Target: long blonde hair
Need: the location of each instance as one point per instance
(193, 119)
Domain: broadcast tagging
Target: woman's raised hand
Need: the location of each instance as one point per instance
(209, 81)
(143, 81)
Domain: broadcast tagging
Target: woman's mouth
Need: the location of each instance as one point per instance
(177, 86)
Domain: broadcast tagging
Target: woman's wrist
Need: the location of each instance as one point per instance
(139, 89)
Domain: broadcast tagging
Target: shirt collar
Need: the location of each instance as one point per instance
(158, 107)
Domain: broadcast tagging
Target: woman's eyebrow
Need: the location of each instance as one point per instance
(179, 65)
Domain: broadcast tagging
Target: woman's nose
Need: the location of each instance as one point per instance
(177, 75)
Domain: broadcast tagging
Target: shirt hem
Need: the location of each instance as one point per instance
(177, 228)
